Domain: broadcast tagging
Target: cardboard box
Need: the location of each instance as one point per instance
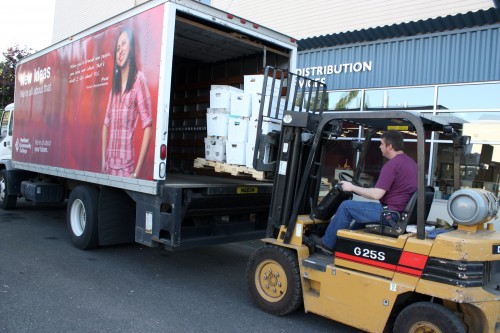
(257, 98)
(235, 152)
(254, 84)
(241, 104)
(289, 106)
(220, 96)
(267, 127)
(217, 122)
(249, 151)
(339, 170)
(237, 129)
(215, 149)
(225, 87)
(265, 153)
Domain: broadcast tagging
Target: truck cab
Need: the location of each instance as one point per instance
(7, 200)
(6, 122)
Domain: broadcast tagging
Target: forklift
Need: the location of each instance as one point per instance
(387, 277)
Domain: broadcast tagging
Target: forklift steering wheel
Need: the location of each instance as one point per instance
(344, 176)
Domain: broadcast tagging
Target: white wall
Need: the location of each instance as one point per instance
(296, 18)
(73, 16)
(302, 19)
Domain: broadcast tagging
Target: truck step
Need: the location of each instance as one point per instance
(233, 169)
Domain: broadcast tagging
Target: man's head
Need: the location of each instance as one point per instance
(391, 143)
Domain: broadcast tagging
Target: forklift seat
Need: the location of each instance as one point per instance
(408, 216)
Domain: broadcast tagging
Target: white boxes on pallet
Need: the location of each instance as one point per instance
(241, 104)
(217, 122)
(237, 129)
(235, 152)
(254, 83)
(225, 87)
(249, 151)
(257, 98)
(215, 149)
(267, 127)
(220, 96)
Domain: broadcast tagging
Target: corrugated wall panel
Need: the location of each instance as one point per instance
(320, 17)
(458, 56)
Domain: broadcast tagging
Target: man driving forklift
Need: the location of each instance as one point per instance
(394, 188)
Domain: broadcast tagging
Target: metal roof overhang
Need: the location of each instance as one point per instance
(439, 24)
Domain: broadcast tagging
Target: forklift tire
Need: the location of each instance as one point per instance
(7, 202)
(273, 279)
(81, 217)
(427, 317)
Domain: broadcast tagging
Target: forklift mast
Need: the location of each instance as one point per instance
(286, 153)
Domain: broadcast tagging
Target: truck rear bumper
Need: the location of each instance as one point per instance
(194, 210)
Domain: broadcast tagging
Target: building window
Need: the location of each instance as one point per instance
(344, 100)
(469, 97)
(480, 165)
(418, 98)
(475, 106)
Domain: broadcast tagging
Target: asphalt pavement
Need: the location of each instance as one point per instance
(48, 285)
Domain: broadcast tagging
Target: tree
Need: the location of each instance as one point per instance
(8, 72)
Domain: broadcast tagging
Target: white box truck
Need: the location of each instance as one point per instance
(111, 120)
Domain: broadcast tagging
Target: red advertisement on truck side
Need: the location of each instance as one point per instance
(90, 105)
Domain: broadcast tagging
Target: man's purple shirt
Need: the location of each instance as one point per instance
(398, 178)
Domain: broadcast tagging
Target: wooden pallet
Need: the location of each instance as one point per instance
(234, 170)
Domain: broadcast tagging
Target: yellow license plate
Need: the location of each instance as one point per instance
(247, 190)
(397, 128)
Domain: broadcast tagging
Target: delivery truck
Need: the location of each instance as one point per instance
(113, 119)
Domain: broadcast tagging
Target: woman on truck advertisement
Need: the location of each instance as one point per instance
(88, 83)
(128, 100)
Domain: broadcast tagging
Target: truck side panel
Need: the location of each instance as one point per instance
(66, 93)
(182, 49)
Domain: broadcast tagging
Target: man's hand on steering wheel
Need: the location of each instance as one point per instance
(346, 186)
(347, 182)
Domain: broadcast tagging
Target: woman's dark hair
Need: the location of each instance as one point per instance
(393, 138)
(117, 73)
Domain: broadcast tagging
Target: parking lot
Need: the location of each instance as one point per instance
(48, 285)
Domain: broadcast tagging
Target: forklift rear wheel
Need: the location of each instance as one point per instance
(427, 317)
(82, 217)
(7, 201)
(273, 279)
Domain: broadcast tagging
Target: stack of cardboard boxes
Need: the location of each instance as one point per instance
(232, 120)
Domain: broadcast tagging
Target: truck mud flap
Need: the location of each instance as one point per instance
(116, 217)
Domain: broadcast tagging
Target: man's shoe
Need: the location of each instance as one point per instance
(318, 243)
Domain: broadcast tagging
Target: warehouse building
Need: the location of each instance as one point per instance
(447, 65)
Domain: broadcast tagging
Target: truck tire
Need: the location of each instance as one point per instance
(427, 317)
(273, 279)
(7, 201)
(81, 217)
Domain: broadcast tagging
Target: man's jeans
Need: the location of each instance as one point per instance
(361, 211)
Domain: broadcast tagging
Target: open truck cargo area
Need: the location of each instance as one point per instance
(120, 146)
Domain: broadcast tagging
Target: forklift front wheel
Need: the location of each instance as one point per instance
(273, 279)
(427, 317)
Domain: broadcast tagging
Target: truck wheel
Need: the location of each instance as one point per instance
(427, 317)
(81, 217)
(273, 279)
(7, 201)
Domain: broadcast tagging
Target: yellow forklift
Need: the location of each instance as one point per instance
(386, 277)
